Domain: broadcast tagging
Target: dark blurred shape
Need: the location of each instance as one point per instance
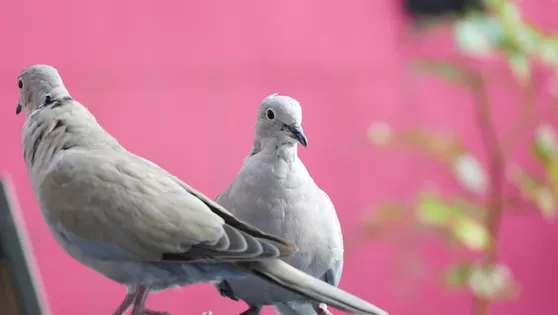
(19, 294)
(440, 8)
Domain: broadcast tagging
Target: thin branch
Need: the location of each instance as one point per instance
(524, 120)
(497, 152)
(493, 148)
(520, 206)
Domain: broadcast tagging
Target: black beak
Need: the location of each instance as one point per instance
(298, 134)
(19, 109)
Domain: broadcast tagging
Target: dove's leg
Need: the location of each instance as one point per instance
(139, 303)
(253, 310)
(127, 302)
(321, 309)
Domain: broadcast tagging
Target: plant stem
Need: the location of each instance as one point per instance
(523, 120)
(495, 207)
(496, 150)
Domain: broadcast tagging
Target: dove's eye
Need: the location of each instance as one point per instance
(270, 114)
(20, 84)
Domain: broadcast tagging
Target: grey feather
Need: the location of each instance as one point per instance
(332, 276)
(122, 215)
(274, 192)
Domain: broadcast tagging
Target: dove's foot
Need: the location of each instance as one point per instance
(139, 303)
(253, 310)
(126, 303)
(321, 309)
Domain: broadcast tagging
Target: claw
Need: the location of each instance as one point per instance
(139, 309)
(321, 309)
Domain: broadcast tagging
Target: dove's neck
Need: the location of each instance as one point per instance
(283, 150)
(65, 125)
(46, 96)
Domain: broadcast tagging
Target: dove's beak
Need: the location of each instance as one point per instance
(19, 109)
(297, 133)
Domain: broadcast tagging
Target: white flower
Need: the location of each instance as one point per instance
(491, 281)
(470, 173)
(546, 137)
(477, 34)
(380, 133)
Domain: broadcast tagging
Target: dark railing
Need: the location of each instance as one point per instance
(20, 293)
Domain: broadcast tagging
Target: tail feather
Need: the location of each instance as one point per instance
(298, 309)
(294, 280)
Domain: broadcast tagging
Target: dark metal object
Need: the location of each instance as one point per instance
(19, 292)
(440, 8)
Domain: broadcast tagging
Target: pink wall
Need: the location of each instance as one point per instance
(179, 83)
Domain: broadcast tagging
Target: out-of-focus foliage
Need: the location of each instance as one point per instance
(469, 219)
(544, 191)
(506, 33)
(491, 282)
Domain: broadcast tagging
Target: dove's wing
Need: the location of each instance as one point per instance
(116, 205)
(231, 220)
(333, 275)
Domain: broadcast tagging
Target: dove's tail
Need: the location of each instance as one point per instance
(294, 309)
(294, 280)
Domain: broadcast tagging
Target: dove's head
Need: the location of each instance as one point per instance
(280, 120)
(39, 85)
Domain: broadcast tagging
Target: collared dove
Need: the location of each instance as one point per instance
(131, 220)
(274, 192)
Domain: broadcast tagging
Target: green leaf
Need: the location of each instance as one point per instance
(470, 233)
(528, 39)
(552, 169)
(540, 153)
(457, 275)
(538, 193)
(509, 12)
(520, 66)
(526, 183)
(493, 4)
(545, 144)
(548, 52)
(546, 202)
(431, 210)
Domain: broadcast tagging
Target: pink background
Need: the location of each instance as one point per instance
(179, 83)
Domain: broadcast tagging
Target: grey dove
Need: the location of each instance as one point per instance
(274, 192)
(131, 220)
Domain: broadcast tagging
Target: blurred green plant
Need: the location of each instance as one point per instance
(470, 220)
